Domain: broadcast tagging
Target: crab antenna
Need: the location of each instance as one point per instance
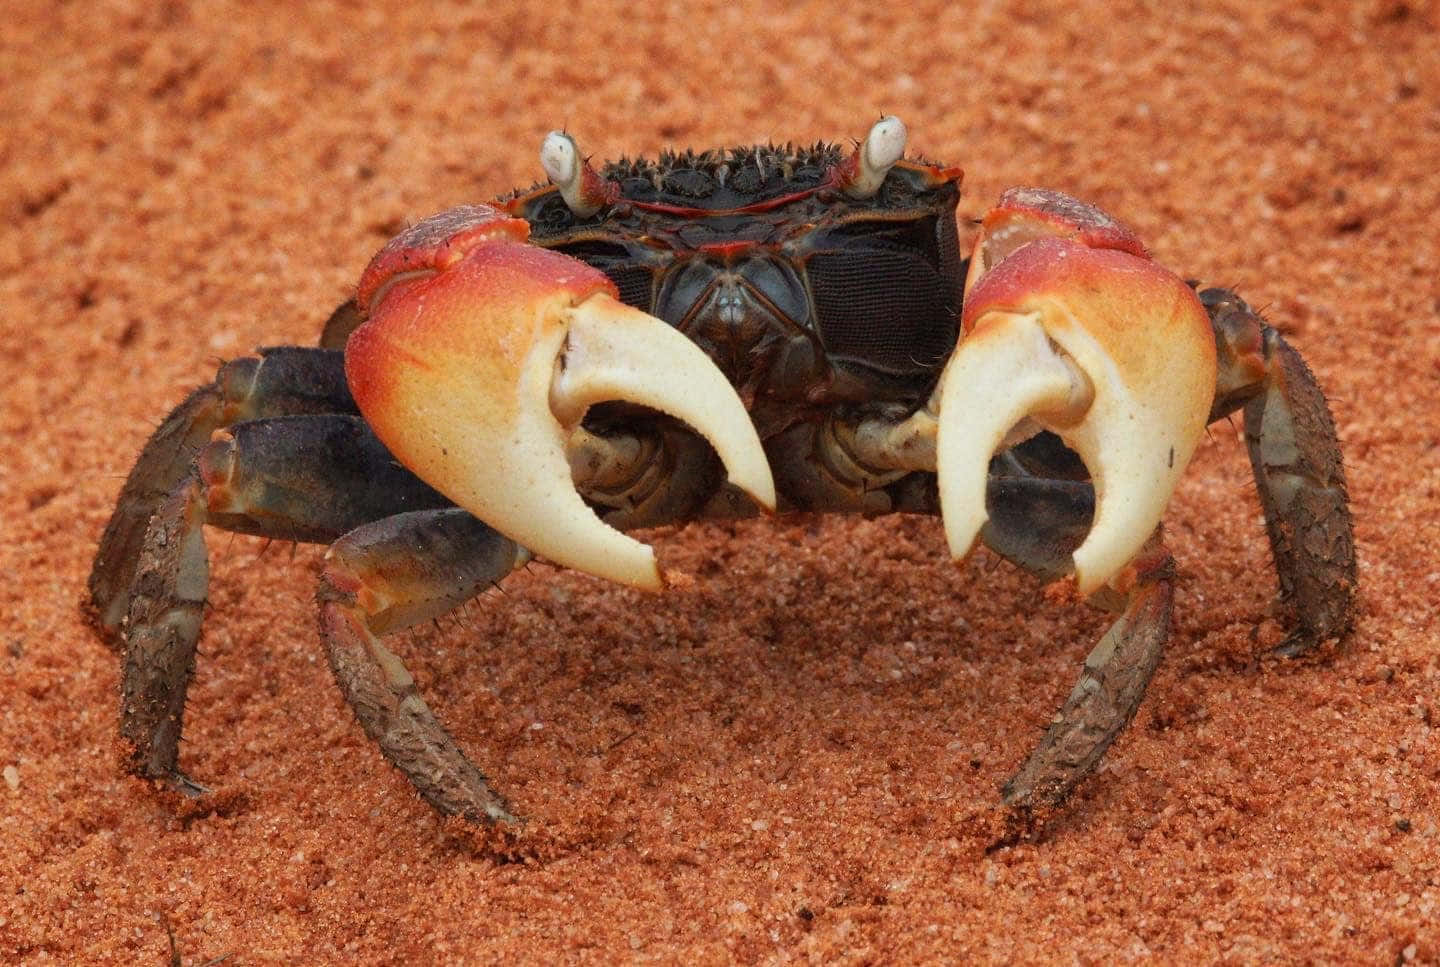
(874, 157)
(583, 190)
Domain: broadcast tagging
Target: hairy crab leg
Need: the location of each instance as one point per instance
(1298, 469)
(390, 575)
(280, 382)
(1111, 686)
(166, 608)
(311, 477)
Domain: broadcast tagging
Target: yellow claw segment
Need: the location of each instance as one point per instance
(474, 376)
(1102, 347)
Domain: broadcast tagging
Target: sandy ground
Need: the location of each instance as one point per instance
(796, 757)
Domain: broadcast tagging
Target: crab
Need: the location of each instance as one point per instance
(759, 329)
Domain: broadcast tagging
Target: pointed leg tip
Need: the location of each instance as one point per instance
(187, 787)
(1005, 825)
(1305, 641)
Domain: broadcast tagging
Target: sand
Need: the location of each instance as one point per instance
(796, 757)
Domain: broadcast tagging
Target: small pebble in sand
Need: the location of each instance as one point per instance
(12, 778)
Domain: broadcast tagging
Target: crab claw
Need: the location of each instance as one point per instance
(1070, 327)
(481, 354)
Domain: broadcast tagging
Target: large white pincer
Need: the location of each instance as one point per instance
(1070, 327)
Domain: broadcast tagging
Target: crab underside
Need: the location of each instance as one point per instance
(703, 335)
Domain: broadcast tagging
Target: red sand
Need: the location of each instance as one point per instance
(794, 758)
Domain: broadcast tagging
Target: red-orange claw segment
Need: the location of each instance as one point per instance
(478, 359)
(1023, 215)
(1104, 348)
(433, 245)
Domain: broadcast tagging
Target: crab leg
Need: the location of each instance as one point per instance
(338, 327)
(280, 382)
(1111, 686)
(1298, 471)
(1069, 327)
(311, 477)
(393, 574)
(479, 358)
(1037, 523)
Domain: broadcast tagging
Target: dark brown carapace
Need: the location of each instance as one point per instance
(795, 287)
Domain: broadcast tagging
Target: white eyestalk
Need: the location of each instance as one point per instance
(566, 169)
(877, 154)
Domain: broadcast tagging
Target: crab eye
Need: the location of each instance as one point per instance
(885, 294)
